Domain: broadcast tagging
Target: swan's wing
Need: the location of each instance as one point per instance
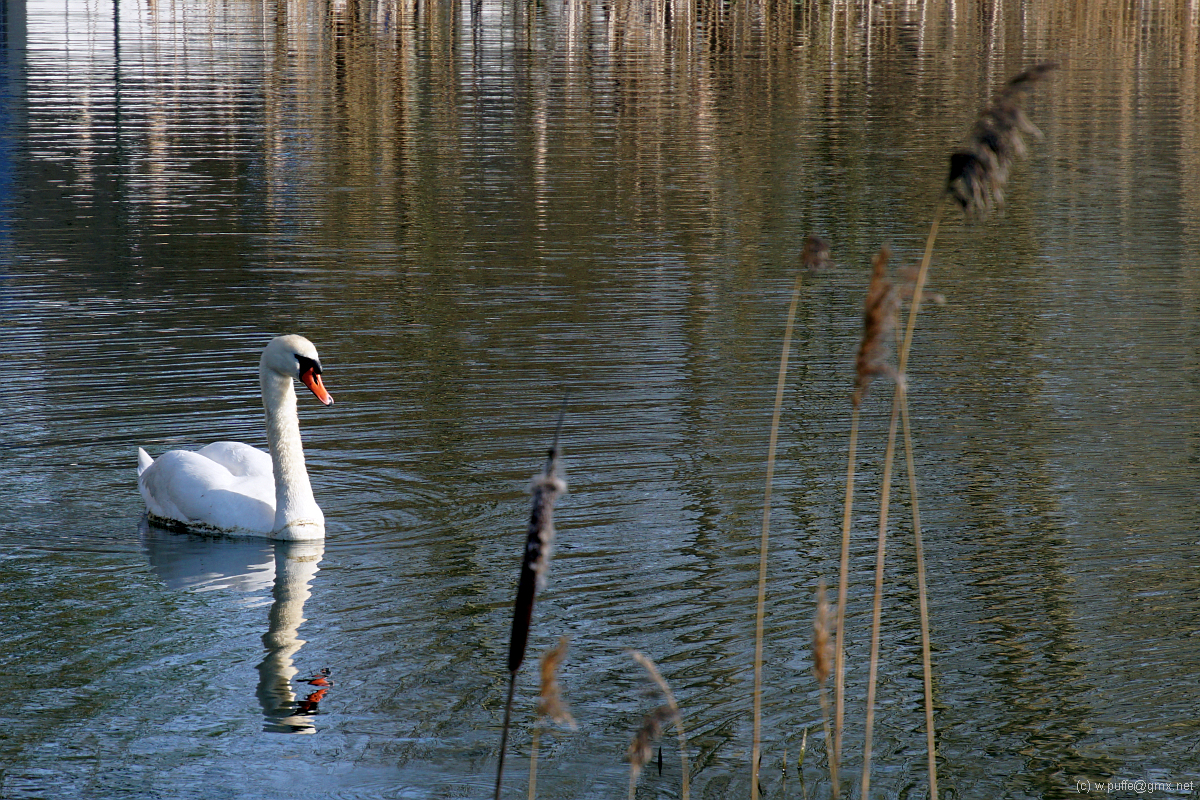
(194, 489)
(240, 459)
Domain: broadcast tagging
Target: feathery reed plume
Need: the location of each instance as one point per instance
(822, 646)
(550, 705)
(545, 487)
(815, 255)
(822, 665)
(760, 614)
(979, 170)
(879, 320)
(640, 749)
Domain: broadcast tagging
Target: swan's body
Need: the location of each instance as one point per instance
(233, 488)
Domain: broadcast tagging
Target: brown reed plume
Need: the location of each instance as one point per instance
(815, 254)
(539, 544)
(979, 170)
(879, 320)
(550, 705)
(822, 665)
(640, 748)
(760, 614)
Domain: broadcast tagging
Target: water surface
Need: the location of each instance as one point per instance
(474, 210)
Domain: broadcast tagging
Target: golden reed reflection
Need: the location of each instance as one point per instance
(384, 109)
(397, 68)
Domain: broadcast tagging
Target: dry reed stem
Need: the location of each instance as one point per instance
(976, 181)
(899, 398)
(839, 653)
(512, 685)
(877, 606)
(766, 526)
(641, 745)
(922, 602)
(533, 757)
(879, 320)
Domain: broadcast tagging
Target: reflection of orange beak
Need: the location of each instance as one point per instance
(312, 380)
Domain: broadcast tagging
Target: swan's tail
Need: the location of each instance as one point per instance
(144, 460)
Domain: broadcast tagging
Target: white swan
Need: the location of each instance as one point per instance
(233, 488)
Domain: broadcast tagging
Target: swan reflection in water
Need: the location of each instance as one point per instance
(194, 563)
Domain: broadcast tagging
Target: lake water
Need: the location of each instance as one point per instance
(475, 209)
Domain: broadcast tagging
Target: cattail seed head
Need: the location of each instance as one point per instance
(539, 545)
(545, 488)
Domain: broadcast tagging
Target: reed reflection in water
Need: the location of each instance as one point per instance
(481, 205)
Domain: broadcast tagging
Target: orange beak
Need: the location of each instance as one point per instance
(312, 379)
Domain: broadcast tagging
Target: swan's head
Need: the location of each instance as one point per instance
(295, 357)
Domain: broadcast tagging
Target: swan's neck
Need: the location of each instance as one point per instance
(295, 507)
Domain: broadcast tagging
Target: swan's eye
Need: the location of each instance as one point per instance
(308, 365)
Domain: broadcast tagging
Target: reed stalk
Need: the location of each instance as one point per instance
(839, 667)
(533, 757)
(900, 398)
(879, 320)
(922, 601)
(899, 401)
(877, 605)
(976, 181)
(763, 546)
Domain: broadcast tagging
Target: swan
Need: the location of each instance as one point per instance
(235, 489)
